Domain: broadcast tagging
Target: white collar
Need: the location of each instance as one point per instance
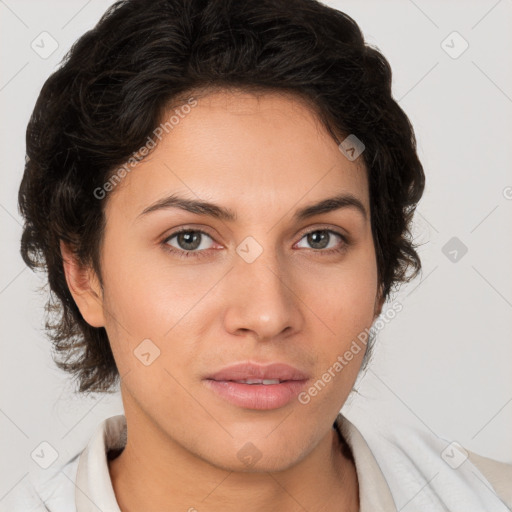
(374, 492)
(94, 489)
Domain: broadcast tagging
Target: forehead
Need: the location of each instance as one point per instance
(242, 149)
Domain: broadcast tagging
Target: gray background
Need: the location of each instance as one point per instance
(443, 364)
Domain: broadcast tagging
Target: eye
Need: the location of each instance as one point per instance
(322, 239)
(187, 241)
(195, 242)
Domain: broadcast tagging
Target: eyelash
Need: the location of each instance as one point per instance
(182, 253)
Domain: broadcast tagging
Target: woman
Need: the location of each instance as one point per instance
(221, 193)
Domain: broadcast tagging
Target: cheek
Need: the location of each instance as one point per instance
(151, 331)
(343, 296)
(346, 314)
(343, 301)
(152, 300)
(147, 295)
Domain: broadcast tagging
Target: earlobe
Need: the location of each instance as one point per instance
(84, 286)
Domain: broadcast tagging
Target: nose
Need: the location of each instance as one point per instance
(262, 298)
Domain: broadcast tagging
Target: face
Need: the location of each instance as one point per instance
(266, 285)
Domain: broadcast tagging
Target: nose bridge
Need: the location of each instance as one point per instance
(261, 298)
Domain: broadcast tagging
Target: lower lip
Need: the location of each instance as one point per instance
(257, 396)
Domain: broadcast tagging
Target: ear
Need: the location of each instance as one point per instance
(84, 286)
(379, 302)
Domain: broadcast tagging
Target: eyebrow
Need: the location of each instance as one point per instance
(226, 214)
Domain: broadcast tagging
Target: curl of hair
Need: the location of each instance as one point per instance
(145, 56)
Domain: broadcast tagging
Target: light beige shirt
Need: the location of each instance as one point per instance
(84, 485)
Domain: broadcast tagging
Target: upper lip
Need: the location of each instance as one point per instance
(249, 370)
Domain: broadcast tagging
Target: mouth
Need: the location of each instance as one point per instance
(255, 386)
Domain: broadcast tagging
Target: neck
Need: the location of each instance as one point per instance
(146, 477)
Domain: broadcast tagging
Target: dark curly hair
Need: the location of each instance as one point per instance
(144, 56)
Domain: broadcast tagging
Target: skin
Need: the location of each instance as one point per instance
(264, 157)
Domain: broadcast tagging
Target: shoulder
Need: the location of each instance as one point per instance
(427, 470)
(23, 498)
(54, 490)
(498, 474)
(39, 493)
